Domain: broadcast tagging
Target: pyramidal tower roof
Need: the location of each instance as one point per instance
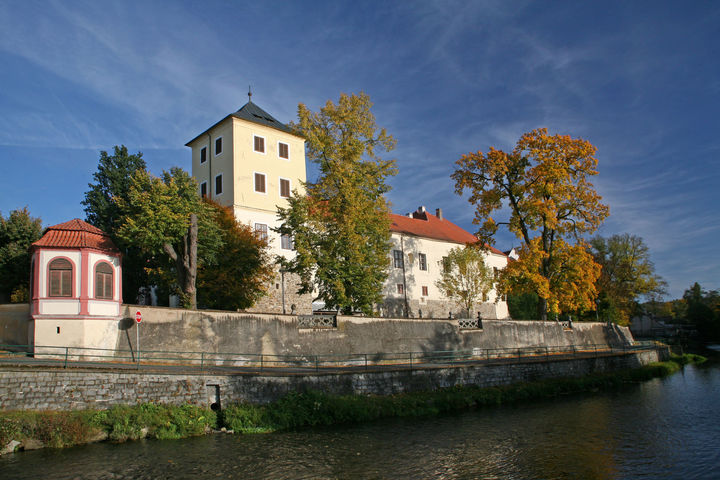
(251, 113)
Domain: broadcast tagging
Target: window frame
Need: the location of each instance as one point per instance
(222, 189)
(289, 187)
(264, 150)
(218, 139)
(71, 281)
(286, 242)
(203, 186)
(287, 148)
(422, 262)
(111, 286)
(203, 154)
(255, 184)
(398, 260)
(261, 231)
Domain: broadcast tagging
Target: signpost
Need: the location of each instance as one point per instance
(138, 320)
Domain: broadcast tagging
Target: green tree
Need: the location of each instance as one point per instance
(544, 184)
(17, 232)
(627, 274)
(103, 210)
(703, 311)
(465, 277)
(522, 306)
(241, 278)
(166, 215)
(342, 227)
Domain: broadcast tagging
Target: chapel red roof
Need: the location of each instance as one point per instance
(427, 225)
(76, 234)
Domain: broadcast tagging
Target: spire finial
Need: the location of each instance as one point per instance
(249, 93)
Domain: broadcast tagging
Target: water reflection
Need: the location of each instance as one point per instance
(660, 429)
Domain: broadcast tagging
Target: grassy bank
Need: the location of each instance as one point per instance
(296, 410)
(121, 423)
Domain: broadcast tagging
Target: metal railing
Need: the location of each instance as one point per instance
(225, 362)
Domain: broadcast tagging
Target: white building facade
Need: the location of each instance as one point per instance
(420, 241)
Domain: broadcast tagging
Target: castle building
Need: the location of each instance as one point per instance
(251, 162)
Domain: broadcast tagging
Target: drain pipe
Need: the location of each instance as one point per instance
(209, 154)
(402, 249)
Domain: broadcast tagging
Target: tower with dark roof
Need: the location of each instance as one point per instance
(251, 162)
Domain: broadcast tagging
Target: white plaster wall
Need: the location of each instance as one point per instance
(103, 308)
(59, 307)
(415, 278)
(250, 217)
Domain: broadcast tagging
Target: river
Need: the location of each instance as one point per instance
(661, 429)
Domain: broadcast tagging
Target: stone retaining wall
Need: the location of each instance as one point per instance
(31, 389)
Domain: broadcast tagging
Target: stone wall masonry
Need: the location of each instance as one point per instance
(31, 389)
(271, 334)
(14, 319)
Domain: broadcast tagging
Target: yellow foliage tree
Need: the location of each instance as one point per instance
(544, 183)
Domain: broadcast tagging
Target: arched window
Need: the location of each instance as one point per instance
(61, 276)
(103, 280)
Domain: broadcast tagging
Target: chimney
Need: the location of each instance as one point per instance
(421, 209)
(438, 213)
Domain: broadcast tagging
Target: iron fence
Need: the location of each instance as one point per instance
(228, 362)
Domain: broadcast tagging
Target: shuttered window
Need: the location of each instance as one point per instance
(103, 280)
(61, 273)
(284, 188)
(260, 182)
(259, 144)
(283, 150)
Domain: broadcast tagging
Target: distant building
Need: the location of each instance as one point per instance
(75, 287)
(420, 242)
(251, 162)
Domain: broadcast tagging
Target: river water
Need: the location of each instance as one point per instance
(664, 428)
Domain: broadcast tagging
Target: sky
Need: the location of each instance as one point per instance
(640, 80)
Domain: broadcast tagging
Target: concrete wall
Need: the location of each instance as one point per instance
(14, 319)
(208, 331)
(73, 390)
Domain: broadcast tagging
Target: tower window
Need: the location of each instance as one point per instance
(104, 280)
(397, 259)
(61, 273)
(218, 146)
(259, 144)
(261, 230)
(400, 288)
(422, 261)
(203, 154)
(283, 150)
(284, 188)
(425, 291)
(218, 184)
(260, 182)
(203, 189)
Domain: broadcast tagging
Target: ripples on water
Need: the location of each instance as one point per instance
(664, 428)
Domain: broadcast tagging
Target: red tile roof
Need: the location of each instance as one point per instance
(427, 225)
(76, 234)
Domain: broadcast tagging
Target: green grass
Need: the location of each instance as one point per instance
(121, 423)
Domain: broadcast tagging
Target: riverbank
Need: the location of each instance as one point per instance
(25, 430)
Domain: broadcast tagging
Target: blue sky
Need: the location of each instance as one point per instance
(640, 80)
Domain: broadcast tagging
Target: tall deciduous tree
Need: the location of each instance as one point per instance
(465, 277)
(103, 210)
(167, 215)
(544, 184)
(241, 278)
(342, 227)
(17, 232)
(627, 274)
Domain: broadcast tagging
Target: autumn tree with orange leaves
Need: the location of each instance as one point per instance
(544, 183)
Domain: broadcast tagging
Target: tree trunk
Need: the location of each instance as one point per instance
(186, 262)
